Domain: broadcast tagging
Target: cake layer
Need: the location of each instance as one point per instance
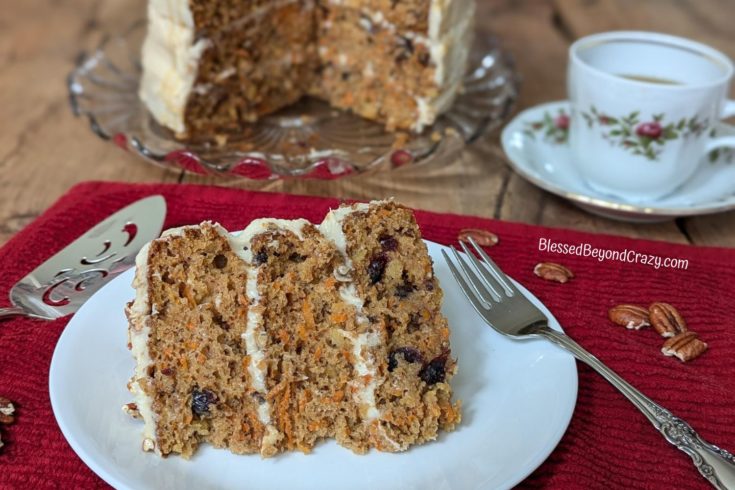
(210, 16)
(191, 384)
(260, 64)
(393, 275)
(372, 70)
(307, 327)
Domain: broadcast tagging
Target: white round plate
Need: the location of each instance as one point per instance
(518, 398)
(538, 151)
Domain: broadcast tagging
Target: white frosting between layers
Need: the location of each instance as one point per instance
(138, 333)
(365, 366)
(450, 38)
(170, 61)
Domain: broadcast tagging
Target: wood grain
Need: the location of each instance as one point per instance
(44, 150)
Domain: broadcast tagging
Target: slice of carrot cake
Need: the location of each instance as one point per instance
(288, 333)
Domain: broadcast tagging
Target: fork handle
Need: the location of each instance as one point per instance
(715, 464)
(11, 312)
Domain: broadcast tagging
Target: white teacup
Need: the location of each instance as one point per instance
(644, 106)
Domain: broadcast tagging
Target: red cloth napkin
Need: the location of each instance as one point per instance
(609, 444)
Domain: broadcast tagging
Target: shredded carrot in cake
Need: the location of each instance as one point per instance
(308, 314)
(338, 317)
(301, 331)
(283, 336)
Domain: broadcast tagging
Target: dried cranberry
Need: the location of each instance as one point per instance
(201, 400)
(400, 158)
(221, 322)
(403, 290)
(409, 354)
(435, 371)
(167, 371)
(260, 258)
(388, 243)
(376, 268)
(405, 49)
(294, 257)
(220, 261)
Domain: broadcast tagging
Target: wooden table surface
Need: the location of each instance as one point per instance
(44, 150)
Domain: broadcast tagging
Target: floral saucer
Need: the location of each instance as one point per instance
(536, 143)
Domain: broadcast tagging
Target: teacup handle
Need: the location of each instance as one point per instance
(723, 141)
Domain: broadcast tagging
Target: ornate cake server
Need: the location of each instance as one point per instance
(64, 282)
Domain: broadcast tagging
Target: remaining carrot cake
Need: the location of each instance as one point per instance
(288, 333)
(210, 67)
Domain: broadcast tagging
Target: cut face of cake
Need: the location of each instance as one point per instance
(191, 382)
(210, 67)
(288, 333)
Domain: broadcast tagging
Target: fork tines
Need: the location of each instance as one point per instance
(480, 276)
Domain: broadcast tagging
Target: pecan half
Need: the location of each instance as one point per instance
(148, 444)
(6, 411)
(553, 272)
(132, 410)
(665, 320)
(483, 238)
(685, 346)
(629, 316)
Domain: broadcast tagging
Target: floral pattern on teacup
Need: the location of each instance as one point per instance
(555, 128)
(724, 154)
(647, 137)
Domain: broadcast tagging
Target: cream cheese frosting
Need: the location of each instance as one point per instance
(170, 61)
(139, 313)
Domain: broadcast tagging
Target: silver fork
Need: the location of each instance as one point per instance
(505, 309)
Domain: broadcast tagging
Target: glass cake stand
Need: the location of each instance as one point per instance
(307, 140)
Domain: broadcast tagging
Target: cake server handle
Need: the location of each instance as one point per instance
(715, 464)
(12, 311)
